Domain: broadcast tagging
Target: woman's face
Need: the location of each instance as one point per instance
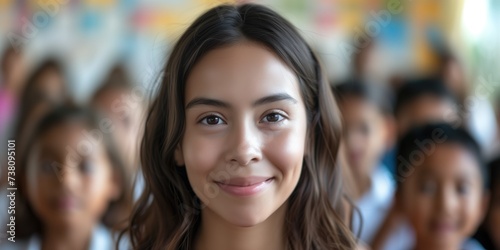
(245, 134)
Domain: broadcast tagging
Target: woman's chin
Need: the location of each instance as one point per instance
(245, 219)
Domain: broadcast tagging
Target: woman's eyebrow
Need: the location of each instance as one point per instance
(274, 98)
(261, 101)
(207, 101)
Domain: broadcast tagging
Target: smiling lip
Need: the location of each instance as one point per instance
(245, 186)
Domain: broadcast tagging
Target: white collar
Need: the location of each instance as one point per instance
(381, 189)
(101, 239)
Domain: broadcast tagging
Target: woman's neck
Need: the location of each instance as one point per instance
(217, 234)
(67, 238)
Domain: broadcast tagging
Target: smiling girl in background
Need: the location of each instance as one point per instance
(240, 145)
(72, 190)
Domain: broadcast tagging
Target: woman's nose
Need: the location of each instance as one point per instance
(245, 145)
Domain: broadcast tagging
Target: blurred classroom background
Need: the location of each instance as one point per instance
(91, 36)
(90, 47)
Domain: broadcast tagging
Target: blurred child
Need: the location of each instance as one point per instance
(367, 119)
(115, 99)
(72, 187)
(489, 233)
(422, 101)
(32, 110)
(361, 63)
(477, 113)
(441, 186)
(25, 125)
(48, 79)
(12, 70)
(418, 102)
(44, 87)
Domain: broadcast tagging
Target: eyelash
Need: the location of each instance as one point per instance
(274, 112)
(203, 120)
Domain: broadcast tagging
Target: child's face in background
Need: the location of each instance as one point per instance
(366, 134)
(125, 115)
(72, 193)
(14, 70)
(245, 133)
(455, 78)
(52, 84)
(493, 217)
(425, 109)
(443, 198)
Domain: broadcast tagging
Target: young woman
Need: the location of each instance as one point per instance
(240, 145)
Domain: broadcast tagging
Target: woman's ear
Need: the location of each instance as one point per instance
(179, 156)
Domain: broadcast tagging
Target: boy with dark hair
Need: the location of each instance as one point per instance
(424, 100)
(366, 110)
(441, 187)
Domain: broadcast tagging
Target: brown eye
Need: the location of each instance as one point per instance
(273, 118)
(212, 120)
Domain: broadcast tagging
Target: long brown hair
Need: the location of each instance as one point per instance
(167, 215)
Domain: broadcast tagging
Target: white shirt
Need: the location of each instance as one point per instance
(374, 204)
(139, 185)
(404, 238)
(482, 122)
(102, 239)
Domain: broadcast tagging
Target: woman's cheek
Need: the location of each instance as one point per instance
(286, 151)
(202, 153)
(202, 156)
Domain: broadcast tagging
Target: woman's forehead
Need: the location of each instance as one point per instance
(243, 71)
